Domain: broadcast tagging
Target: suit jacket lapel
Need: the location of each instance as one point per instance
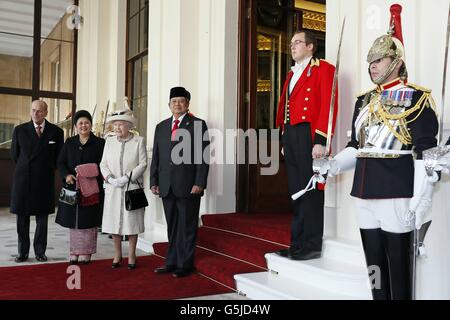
(186, 122)
(167, 130)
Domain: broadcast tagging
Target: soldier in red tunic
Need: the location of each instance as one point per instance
(303, 112)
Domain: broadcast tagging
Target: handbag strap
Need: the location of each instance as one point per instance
(129, 180)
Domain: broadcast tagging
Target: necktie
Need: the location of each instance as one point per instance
(38, 131)
(174, 129)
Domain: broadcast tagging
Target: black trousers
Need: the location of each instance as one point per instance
(390, 255)
(307, 225)
(182, 222)
(40, 235)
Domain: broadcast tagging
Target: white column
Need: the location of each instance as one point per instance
(193, 43)
(101, 54)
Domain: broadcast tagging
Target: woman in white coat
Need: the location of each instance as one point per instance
(124, 155)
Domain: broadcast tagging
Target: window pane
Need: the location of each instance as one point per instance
(14, 110)
(54, 20)
(144, 75)
(143, 33)
(133, 36)
(60, 113)
(144, 3)
(133, 6)
(16, 60)
(17, 17)
(56, 66)
(140, 112)
(137, 79)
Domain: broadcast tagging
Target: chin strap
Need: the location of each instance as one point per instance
(386, 74)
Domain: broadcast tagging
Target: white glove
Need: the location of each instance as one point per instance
(115, 183)
(123, 180)
(343, 161)
(443, 164)
(420, 203)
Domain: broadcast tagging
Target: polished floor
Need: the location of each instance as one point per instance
(58, 247)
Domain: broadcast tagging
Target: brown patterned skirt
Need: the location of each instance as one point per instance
(83, 241)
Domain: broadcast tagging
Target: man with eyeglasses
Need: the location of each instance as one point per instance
(303, 112)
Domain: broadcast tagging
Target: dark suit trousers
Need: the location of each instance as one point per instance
(182, 222)
(40, 235)
(307, 225)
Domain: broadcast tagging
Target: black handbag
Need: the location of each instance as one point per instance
(70, 197)
(135, 199)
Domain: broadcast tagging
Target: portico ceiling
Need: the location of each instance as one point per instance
(17, 20)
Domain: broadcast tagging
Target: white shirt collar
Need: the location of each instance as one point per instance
(180, 118)
(42, 125)
(301, 65)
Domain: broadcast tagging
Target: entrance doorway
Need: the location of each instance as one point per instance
(266, 27)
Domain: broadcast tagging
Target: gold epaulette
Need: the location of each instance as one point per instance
(314, 62)
(365, 92)
(416, 87)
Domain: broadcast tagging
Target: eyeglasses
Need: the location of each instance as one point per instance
(296, 42)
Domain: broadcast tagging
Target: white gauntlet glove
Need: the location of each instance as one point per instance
(343, 161)
(420, 203)
(443, 164)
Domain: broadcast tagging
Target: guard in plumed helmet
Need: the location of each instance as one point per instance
(392, 125)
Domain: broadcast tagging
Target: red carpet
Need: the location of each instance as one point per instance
(272, 227)
(230, 244)
(100, 282)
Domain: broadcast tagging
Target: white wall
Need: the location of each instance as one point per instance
(101, 54)
(424, 28)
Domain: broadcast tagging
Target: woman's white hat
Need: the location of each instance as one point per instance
(124, 114)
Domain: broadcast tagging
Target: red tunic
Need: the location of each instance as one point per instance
(310, 99)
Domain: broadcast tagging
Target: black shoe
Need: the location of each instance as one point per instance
(85, 261)
(115, 265)
(165, 269)
(283, 253)
(41, 257)
(180, 273)
(21, 258)
(72, 262)
(132, 266)
(305, 255)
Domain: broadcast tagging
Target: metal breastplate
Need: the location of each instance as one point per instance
(379, 135)
(383, 138)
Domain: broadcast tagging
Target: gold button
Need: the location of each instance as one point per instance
(306, 99)
(309, 89)
(305, 108)
(303, 118)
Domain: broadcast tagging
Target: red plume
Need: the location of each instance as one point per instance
(395, 23)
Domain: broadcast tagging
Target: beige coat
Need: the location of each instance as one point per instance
(120, 158)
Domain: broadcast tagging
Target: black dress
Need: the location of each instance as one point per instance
(73, 154)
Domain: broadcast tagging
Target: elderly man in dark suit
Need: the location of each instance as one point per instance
(34, 150)
(178, 174)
